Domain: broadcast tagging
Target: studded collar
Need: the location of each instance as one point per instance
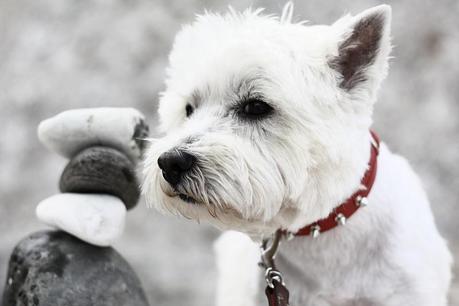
(359, 199)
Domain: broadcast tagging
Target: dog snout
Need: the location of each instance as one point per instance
(175, 164)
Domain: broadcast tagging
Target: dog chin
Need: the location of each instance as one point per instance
(223, 219)
(198, 207)
(178, 194)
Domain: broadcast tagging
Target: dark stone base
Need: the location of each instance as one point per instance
(52, 268)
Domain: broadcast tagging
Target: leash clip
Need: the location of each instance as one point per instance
(269, 251)
(276, 291)
(272, 275)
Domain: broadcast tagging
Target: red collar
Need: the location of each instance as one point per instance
(343, 212)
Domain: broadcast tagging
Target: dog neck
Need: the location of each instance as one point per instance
(331, 183)
(337, 181)
(341, 213)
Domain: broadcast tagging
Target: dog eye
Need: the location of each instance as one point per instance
(189, 110)
(255, 109)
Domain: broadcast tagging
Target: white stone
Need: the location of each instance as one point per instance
(95, 218)
(69, 132)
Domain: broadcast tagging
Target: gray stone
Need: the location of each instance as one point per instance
(102, 170)
(52, 268)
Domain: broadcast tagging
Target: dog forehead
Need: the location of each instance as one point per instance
(216, 53)
(214, 32)
(236, 42)
(235, 62)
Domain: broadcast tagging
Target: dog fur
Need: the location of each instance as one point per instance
(293, 167)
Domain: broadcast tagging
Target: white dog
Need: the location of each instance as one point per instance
(267, 127)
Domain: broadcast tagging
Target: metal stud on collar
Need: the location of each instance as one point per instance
(315, 231)
(361, 201)
(340, 219)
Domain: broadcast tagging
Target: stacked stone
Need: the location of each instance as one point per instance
(99, 183)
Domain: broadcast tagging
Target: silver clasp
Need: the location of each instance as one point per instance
(269, 249)
(271, 275)
(268, 252)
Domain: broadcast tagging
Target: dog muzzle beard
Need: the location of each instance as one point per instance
(222, 183)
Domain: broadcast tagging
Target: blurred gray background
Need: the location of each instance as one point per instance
(57, 55)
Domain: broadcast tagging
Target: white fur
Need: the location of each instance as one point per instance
(238, 269)
(294, 167)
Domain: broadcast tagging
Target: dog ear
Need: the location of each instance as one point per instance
(363, 49)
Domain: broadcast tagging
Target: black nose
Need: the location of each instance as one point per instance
(175, 164)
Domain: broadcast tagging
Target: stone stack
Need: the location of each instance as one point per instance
(98, 186)
(99, 183)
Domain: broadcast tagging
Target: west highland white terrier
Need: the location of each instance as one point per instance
(267, 127)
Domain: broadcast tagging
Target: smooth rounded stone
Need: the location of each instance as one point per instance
(71, 131)
(102, 170)
(53, 268)
(95, 218)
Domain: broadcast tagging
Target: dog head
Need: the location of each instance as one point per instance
(266, 121)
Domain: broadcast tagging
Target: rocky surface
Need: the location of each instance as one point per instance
(53, 268)
(71, 131)
(102, 170)
(96, 218)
